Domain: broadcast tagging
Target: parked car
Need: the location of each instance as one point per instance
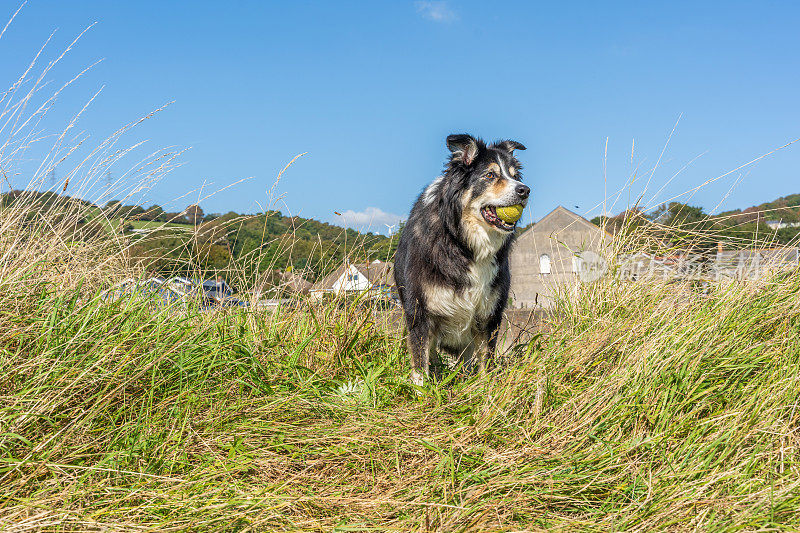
(210, 294)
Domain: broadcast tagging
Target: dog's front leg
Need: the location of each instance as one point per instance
(485, 347)
(419, 344)
(482, 354)
(492, 347)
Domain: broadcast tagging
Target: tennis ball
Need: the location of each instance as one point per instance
(510, 213)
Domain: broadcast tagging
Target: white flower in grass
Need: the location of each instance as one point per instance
(355, 391)
(351, 388)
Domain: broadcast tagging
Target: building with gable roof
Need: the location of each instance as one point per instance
(376, 277)
(754, 263)
(549, 255)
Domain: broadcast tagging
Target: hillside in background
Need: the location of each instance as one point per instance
(786, 208)
(771, 223)
(192, 242)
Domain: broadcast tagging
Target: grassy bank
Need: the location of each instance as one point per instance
(647, 407)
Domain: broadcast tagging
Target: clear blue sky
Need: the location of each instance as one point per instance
(370, 90)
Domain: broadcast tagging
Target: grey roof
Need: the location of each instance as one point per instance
(379, 272)
(294, 282)
(561, 210)
(327, 282)
(752, 263)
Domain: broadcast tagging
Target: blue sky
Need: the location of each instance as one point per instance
(370, 90)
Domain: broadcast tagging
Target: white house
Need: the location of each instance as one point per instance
(780, 224)
(355, 277)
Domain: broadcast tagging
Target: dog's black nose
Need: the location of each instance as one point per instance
(523, 191)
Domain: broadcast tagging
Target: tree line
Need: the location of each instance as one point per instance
(686, 226)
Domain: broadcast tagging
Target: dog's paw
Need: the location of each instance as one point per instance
(417, 377)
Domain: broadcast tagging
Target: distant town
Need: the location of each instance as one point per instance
(190, 250)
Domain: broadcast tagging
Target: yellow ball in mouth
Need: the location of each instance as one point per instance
(509, 213)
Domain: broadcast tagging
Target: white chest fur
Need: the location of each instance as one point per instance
(460, 310)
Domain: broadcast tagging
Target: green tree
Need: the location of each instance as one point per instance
(152, 213)
(194, 214)
(677, 214)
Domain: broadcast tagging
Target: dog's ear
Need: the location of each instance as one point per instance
(464, 147)
(509, 146)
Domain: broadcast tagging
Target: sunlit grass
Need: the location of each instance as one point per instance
(646, 407)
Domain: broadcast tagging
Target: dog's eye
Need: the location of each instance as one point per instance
(490, 175)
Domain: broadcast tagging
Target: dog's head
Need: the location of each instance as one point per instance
(479, 179)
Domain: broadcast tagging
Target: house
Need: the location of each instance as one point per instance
(754, 263)
(375, 277)
(780, 224)
(216, 290)
(293, 282)
(274, 283)
(552, 254)
(642, 265)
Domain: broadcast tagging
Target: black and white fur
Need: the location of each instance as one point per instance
(451, 265)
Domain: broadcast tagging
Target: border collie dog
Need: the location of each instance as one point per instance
(451, 265)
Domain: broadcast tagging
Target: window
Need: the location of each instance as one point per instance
(544, 264)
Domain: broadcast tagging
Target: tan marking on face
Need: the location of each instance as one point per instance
(466, 199)
(499, 187)
(512, 171)
(494, 167)
(470, 215)
(470, 210)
